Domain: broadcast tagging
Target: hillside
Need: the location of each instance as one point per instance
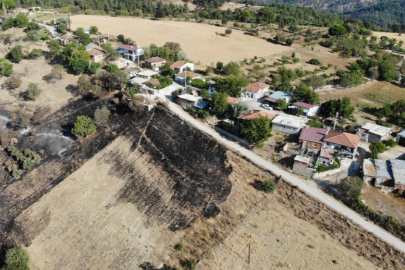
(383, 13)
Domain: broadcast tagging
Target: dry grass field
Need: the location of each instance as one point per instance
(390, 35)
(97, 231)
(199, 41)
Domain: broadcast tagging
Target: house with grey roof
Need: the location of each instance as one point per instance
(373, 133)
(388, 175)
(401, 138)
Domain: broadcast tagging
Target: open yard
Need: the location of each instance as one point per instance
(199, 41)
(390, 35)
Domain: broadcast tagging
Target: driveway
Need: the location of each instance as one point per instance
(292, 179)
(253, 104)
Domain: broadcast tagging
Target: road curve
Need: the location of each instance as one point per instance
(293, 180)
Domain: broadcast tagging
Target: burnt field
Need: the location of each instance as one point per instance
(130, 195)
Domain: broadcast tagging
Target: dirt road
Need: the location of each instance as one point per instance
(293, 180)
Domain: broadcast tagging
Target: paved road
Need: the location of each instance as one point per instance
(293, 180)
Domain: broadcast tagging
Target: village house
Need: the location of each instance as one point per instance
(142, 77)
(309, 109)
(373, 133)
(188, 100)
(182, 76)
(288, 124)
(106, 37)
(256, 90)
(253, 114)
(312, 138)
(20, 11)
(130, 52)
(130, 72)
(123, 63)
(66, 39)
(388, 175)
(181, 66)
(401, 138)
(341, 144)
(155, 63)
(279, 95)
(97, 56)
(231, 100)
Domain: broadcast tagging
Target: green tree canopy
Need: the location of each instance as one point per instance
(84, 127)
(219, 103)
(305, 94)
(257, 130)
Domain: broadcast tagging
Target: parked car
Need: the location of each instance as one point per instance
(267, 107)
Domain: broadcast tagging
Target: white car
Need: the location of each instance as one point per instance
(267, 107)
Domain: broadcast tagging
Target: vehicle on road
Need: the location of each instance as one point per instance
(267, 107)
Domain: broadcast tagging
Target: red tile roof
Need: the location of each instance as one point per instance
(189, 74)
(271, 100)
(128, 47)
(252, 114)
(231, 100)
(256, 87)
(326, 154)
(304, 105)
(313, 134)
(155, 60)
(342, 138)
(68, 36)
(153, 82)
(108, 35)
(95, 52)
(178, 64)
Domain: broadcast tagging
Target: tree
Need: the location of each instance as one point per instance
(231, 85)
(377, 148)
(289, 41)
(353, 78)
(282, 104)
(93, 30)
(61, 28)
(386, 71)
(232, 68)
(54, 48)
(237, 109)
(84, 126)
(219, 103)
(315, 81)
(337, 30)
(305, 94)
(57, 72)
(21, 21)
(17, 259)
(94, 68)
(111, 53)
(79, 61)
(101, 116)
(32, 26)
(16, 54)
(342, 106)
(257, 130)
(220, 65)
(33, 91)
(315, 62)
(9, 23)
(82, 36)
(228, 32)
(299, 111)
(6, 68)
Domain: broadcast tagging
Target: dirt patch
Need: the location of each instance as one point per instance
(389, 204)
(199, 41)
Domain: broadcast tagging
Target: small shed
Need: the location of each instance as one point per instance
(401, 138)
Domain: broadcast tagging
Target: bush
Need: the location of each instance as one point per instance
(35, 53)
(267, 186)
(94, 67)
(16, 54)
(13, 82)
(33, 91)
(84, 126)
(391, 143)
(57, 72)
(315, 62)
(377, 148)
(17, 259)
(101, 116)
(179, 247)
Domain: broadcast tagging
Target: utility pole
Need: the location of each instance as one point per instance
(336, 118)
